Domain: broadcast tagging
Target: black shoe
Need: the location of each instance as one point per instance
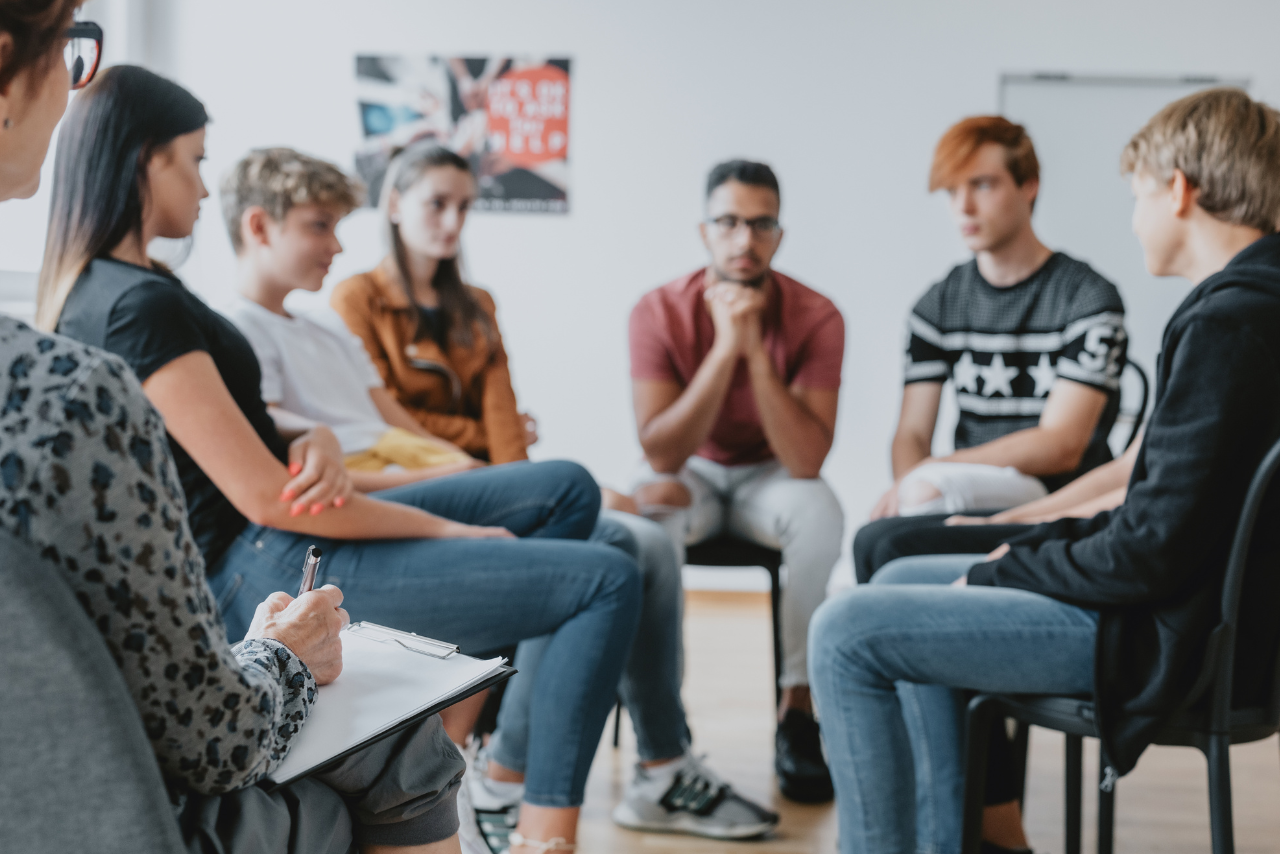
(992, 848)
(802, 772)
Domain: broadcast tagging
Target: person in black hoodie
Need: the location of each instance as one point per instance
(1120, 605)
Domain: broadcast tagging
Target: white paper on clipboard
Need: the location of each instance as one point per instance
(381, 685)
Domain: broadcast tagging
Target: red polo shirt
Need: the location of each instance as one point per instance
(671, 332)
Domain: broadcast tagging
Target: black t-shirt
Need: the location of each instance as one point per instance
(149, 318)
(1004, 347)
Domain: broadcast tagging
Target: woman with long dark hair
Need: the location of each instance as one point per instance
(434, 338)
(127, 171)
(91, 486)
(436, 342)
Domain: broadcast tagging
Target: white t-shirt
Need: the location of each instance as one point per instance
(315, 371)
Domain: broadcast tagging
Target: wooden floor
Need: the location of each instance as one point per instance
(1161, 807)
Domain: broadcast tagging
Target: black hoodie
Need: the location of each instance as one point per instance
(1154, 566)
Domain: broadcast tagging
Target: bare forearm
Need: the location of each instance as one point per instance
(397, 416)
(1103, 481)
(1034, 451)
(361, 518)
(907, 452)
(373, 481)
(1035, 512)
(797, 438)
(673, 435)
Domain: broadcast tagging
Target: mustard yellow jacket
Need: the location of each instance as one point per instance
(462, 394)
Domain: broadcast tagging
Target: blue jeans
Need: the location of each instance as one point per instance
(484, 595)
(650, 686)
(889, 663)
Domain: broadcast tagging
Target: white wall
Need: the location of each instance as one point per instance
(844, 99)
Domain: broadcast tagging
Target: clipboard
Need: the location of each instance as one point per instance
(391, 680)
(408, 640)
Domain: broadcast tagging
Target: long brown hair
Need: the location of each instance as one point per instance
(35, 26)
(460, 313)
(110, 132)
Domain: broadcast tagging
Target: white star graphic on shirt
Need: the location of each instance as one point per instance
(966, 373)
(1044, 374)
(996, 377)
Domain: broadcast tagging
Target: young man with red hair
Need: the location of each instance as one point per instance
(1121, 606)
(1032, 339)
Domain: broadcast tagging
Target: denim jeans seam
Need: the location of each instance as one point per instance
(889, 637)
(524, 506)
(253, 543)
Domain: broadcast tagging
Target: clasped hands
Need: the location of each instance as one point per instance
(736, 311)
(318, 472)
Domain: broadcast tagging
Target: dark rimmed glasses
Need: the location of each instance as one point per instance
(760, 226)
(83, 52)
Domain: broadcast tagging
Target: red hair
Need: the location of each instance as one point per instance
(963, 139)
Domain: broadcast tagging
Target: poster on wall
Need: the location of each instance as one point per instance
(507, 115)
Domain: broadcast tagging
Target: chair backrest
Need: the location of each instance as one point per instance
(1219, 665)
(1139, 414)
(76, 769)
(1131, 416)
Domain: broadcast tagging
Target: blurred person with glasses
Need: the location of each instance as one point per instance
(735, 374)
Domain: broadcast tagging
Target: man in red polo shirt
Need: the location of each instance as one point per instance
(735, 375)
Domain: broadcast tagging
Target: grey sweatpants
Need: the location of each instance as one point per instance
(762, 503)
(401, 790)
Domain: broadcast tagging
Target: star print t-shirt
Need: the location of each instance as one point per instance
(1005, 347)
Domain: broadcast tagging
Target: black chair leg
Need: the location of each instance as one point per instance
(775, 606)
(1220, 819)
(977, 738)
(1075, 785)
(1106, 811)
(617, 724)
(1021, 739)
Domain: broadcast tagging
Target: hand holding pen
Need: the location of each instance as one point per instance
(308, 625)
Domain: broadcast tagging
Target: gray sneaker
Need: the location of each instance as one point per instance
(687, 797)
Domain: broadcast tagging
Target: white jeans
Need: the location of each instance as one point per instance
(764, 504)
(965, 488)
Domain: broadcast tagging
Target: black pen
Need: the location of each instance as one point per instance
(309, 568)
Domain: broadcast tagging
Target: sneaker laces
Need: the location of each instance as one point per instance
(695, 789)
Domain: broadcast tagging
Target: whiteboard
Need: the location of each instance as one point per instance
(1079, 125)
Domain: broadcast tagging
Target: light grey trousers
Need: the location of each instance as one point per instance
(763, 503)
(401, 790)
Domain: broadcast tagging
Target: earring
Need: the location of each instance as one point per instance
(8, 122)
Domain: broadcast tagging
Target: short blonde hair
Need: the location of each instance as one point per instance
(279, 179)
(1228, 146)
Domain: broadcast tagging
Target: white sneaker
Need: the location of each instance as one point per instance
(494, 807)
(468, 825)
(685, 796)
(488, 795)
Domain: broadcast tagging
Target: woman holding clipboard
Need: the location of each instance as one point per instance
(97, 494)
(431, 557)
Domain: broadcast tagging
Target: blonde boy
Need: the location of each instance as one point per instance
(281, 209)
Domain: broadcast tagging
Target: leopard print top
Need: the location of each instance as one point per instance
(86, 475)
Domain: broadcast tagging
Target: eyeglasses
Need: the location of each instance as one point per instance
(83, 52)
(761, 226)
